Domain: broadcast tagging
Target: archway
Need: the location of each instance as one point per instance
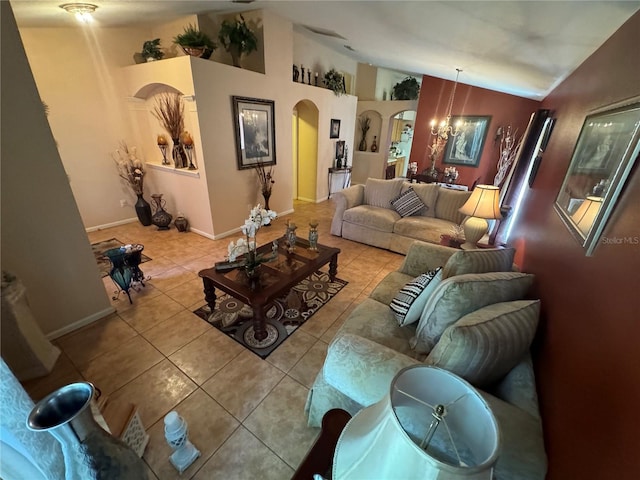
(305, 150)
(401, 127)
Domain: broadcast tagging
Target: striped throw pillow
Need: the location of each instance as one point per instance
(479, 261)
(407, 203)
(409, 302)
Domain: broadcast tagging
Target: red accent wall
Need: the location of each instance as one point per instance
(588, 355)
(503, 108)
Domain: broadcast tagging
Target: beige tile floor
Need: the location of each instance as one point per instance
(245, 414)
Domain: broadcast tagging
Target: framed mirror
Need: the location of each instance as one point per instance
(606, 150)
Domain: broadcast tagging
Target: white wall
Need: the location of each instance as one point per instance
(43, 239)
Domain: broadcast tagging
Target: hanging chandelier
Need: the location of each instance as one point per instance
(445, 129)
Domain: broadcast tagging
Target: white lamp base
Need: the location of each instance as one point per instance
(183, 457)
(474, 229)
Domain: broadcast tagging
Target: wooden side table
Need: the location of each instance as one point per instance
(320, 457)
(345, 171)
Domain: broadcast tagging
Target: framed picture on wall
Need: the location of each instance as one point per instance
(466, 147)
(254, 124)
(340, 149)
(334, 132)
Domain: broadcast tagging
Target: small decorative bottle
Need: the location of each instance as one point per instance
(313, 235)
(374, 144)
(291, 236)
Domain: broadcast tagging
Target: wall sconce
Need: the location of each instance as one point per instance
(82, 11)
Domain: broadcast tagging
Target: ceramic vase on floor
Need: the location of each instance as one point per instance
(89, 451)
(143, 210)
(161, 218)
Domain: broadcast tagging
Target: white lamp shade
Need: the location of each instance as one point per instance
(586, 213)
(382, 441)
(484, 202)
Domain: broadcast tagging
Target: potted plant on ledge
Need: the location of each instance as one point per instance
(237, 39)
(334, 81)
(151, 50)
(195, 42)
(407, 89)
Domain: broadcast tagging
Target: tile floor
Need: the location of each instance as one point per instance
(245, 414)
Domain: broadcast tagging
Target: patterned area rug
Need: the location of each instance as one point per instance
(104, 265)
(284, 315)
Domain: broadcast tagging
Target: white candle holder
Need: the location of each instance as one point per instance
(176, 433)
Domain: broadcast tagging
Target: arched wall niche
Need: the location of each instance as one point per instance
(153, 89)
(305, 148)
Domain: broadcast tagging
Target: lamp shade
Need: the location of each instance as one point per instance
(484, 202)
(586, 213)
(384, 440)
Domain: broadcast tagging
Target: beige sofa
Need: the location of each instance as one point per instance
(473, 319)
(365, 214)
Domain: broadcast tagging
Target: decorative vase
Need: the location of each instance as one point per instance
(374, 144)
(143, 210)
(181, 223)
(313, 235)
(338, 163)
(89, 451)
(266, 195)
(363, 144)
(291, 236)
(179, 157)
(234, 51)
(161, 218)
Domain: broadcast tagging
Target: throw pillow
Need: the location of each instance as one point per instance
(428, 193)
(479, 261)
(457, 296)
(379, 193)
(448, 204)
(409, 302)
(407, 203)
(483, 346)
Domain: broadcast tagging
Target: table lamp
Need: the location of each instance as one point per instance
(430, 425)
(484, 203)
(586, 214)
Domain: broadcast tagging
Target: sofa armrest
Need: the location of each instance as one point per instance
(362, 369)
(345, 199)
(423, 257)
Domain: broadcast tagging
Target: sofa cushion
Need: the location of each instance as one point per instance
(425, 229)
(449, 201)
(410, 300)
(428, 193)
(407, 203)
(379, 193)
(479, 261)
(483, 346)
(462, 294)
(389, 286)
(376, 218)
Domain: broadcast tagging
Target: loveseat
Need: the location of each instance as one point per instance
(392, 214)
(464, 311)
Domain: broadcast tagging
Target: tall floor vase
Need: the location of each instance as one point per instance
(143, 210)
(90, 453)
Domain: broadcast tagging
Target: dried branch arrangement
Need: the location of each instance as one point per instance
(265, 176)
(169, 109)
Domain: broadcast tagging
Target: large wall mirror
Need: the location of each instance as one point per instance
(602, 159)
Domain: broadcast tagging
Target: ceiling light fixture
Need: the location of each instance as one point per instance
(82, 11)
(445, 128)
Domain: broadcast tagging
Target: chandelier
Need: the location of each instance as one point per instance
(445, 129)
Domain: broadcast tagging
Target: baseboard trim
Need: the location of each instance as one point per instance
(112, 224)
(80, 323)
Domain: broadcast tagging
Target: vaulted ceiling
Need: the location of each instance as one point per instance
(520, 47)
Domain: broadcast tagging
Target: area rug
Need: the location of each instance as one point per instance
(284, 315)
(104, 265)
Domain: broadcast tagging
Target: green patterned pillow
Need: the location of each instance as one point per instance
(409, 302)
(479, 261)
(483, 346)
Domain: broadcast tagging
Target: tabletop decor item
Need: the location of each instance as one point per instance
(482, 205)
(131, 169)
(247, 246)
(334, 81)
(237, 39)
(176, 432)
(450, 175)
(195, 42)
(89, 451)
(290, 236)
(162, 145)
(187, 145)
(169, 110)
(265, 177)
(313, 235)
(161, 218)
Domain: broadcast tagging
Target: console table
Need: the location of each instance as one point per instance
(345, 172)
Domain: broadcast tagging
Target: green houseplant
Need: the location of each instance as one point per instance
(407, 89)
(237, 39)
(195, 42)
(151, 50)
(334, 81)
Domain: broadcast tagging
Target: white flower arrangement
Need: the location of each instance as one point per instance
(257, 218)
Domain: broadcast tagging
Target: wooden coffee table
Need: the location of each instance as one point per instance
(275, 278)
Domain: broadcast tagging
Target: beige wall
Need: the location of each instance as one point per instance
(43, 239)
